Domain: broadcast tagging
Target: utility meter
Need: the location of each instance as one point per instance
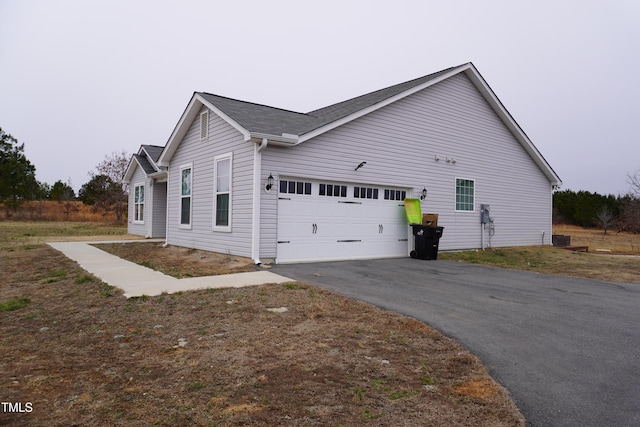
(485, 214)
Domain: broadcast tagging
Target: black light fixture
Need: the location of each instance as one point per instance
(269, 183)
(360, 165)
(424, 194)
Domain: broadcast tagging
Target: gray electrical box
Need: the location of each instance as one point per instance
(485, 214)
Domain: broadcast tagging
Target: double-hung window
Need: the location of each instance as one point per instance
(222, 192)
(186, 180)
(138, 203)
(465, 194)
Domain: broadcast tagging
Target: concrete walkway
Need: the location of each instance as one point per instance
(136, 280)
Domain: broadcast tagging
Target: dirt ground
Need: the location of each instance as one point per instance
(81, 354)
(177, 261)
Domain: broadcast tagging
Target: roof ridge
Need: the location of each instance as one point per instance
(421, 78)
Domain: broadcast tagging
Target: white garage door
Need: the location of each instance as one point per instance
(332, 221)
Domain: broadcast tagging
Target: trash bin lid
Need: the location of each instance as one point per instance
(413, 210)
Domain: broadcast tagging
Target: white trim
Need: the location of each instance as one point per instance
(472, 73)
(224, 117)
(455, 194)
(377, 106)
(128, 173)
(255, 208)
(180, 224)
(188, 116)
(148, 200)
(144, 202)
(216, 159)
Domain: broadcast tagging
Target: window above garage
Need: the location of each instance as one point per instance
(295, 187)
(390, 194)
(332, 190)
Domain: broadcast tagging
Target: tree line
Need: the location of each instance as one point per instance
(104, 191)
(587, 209)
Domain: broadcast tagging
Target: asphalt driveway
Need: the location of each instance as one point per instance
(567, 349)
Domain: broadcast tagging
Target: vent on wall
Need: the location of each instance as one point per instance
(204, 124)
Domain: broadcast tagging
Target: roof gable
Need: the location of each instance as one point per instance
(153, 152)
(146, 158)
(284, 127)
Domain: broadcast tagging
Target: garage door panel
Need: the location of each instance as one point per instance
(318, 226)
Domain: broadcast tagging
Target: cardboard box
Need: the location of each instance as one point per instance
(430, 220)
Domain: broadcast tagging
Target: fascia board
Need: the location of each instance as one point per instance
(149, 159)
(275, 139)
(179, 131)
(131, 168)
(379, 105)
(190, 113)
(225, 117)
(486, 91)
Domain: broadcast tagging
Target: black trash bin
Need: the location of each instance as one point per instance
(427, 240)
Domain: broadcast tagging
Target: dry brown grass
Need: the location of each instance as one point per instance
(51, 210)
(84, 355)
(617, 243)
(622, 264)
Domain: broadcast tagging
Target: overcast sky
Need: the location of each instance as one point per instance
(82, 79)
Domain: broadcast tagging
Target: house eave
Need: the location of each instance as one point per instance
(280, 140)
(472, 73)
(476, 78)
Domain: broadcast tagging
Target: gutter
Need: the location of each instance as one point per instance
(282, 140)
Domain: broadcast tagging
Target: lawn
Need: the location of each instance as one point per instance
(74, 351)
(614, 257)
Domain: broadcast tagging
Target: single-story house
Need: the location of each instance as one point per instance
(271, 184)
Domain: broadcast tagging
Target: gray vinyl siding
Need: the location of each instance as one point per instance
(159, 219)
(138, 177)
(399, 143)
(222, 139)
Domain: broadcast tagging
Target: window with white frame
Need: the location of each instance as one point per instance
(222, 171)
(138, 203)
(186, 180)
(465, 194)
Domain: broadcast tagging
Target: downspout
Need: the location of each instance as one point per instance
(257, 171)
(166, 218)
(148, 214)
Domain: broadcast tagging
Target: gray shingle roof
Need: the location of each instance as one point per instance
(144, 164)
(153, 151)
(275, 121)
(259, 118)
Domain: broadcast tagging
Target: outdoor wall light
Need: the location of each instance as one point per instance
(424, 194)
(360, 165)
(269, 183)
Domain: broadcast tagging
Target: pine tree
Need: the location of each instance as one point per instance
(17, 174)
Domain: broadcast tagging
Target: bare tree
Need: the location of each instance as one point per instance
(106, 191)
(114, 166)
(634, 181)
(630, 216)
(605, 217)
